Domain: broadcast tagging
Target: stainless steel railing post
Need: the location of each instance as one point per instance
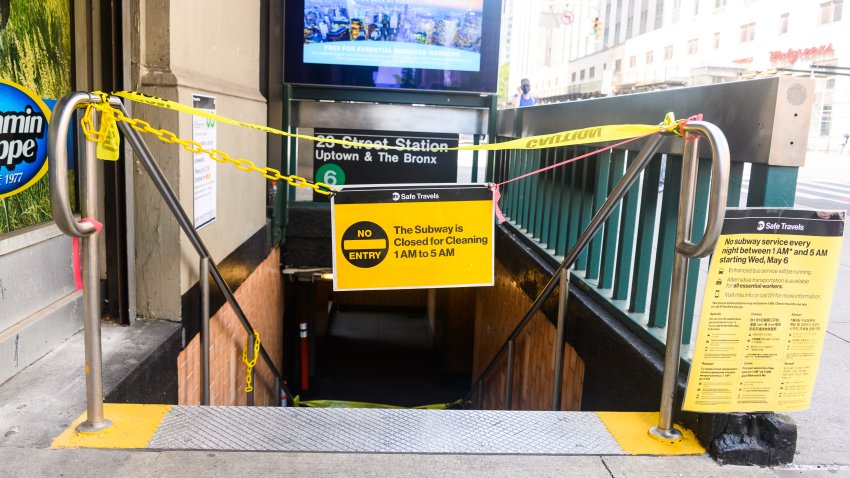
(204, 282)
(509, 377)
(558, 372)
(64, 112)
(665, 431)
(251, 356)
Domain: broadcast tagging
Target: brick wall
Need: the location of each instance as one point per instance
(498, 309)
(261, 298)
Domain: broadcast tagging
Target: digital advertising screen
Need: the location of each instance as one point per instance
(422, 44)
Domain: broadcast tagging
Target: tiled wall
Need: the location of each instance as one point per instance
(498, 309)
(261, 298)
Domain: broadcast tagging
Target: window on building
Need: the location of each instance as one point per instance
(748, 32)
(659, 14)
(644, 16)
(677, 6)
(581, 75)
(591, 72)
(716, 40)
(649, 57)
(617, 32)
(831, 11)
(668, 52)
(605, 28)
(825, 120)
(696, 7)
(783, 23)
(573, 77)
(629, 27)
(618, 66)
(632, 61)
(693, 46)
(719, 3)
(830, 84)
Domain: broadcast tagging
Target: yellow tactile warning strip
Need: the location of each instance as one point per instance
(559, 433)
(631, 430)
(132, 427)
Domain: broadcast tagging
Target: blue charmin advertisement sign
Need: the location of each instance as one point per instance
(23, 138)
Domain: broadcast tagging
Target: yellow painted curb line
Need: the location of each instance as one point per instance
(631, 430)
(133, 426)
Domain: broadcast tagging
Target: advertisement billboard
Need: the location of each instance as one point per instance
(422, 44)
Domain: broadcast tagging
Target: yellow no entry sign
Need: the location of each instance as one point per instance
(404, 237)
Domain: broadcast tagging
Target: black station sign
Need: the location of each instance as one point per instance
(340, 165)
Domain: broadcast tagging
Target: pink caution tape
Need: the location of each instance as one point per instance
(496, 196)
(75, 252)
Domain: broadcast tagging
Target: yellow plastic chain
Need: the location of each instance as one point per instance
(99, 135)
(593, 134)
(249, 364)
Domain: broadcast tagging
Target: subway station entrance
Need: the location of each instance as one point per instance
(576, 337)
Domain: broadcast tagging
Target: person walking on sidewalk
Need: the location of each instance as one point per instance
(524, 97)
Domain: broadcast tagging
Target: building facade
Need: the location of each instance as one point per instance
(612, 47)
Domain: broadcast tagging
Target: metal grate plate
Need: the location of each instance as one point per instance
(384, 431)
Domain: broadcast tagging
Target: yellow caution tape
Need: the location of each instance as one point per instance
(349, 404)
(108, 140)
(596, 134)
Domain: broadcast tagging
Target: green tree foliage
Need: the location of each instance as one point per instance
(502, 86)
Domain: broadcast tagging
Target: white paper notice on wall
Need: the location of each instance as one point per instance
(203, 131)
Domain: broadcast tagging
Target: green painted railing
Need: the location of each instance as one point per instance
(628, 264)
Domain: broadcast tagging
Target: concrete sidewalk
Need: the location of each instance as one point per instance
(85, 463)
(40, 402)
(823, 431)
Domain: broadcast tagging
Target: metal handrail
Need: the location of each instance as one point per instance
(684, 249)
(57, 139)
(141, 149)
(63, 113)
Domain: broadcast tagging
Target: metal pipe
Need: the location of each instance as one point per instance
(718, 192)
(57, 158)
(95, 420)
(631, 175)
(558, 372)
(665, 431)
(145, 157)
(509, 377)
(480, 396)
(204, 283)
(476, 139)
(281, 399)
(251, 356)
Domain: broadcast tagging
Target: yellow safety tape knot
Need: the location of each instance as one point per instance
(249, 364)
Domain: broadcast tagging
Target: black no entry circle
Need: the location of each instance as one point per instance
(365, 244)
